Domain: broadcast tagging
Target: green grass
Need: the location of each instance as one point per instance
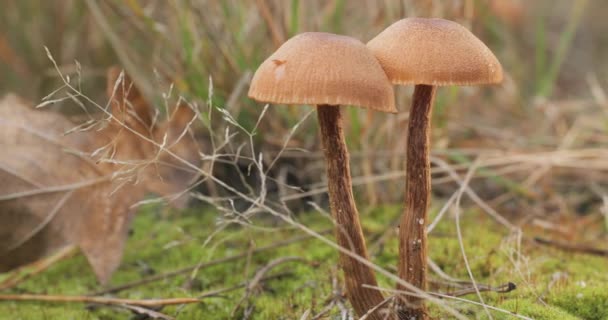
(162, 242)
(547, 73)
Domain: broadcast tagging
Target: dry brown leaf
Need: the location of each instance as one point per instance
(79, 188)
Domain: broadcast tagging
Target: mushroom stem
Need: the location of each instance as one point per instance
(412, 239)
(344, 211)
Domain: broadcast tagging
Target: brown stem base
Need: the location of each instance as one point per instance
(348, 229)
(412, 239)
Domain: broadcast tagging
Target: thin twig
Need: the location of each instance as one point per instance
(255, 281)
(572, 247)
(464, 186)
(466, 189)
(260, 274)
(508, 287)
(217, 292)
(323, 311)
(97, 300)
(377, 307)
(148, 313)
(440, 272)
(188, 269)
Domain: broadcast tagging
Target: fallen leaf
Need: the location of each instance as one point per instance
(80, 188)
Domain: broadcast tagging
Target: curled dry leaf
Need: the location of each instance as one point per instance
(79, 188)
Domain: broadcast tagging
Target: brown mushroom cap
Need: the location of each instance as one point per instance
(321, 68)
(434, 52)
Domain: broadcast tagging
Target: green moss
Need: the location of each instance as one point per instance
(162, 242)
(529, 308)
(586, 302)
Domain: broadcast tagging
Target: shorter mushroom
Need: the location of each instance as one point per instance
(329, 70)
(427, 53)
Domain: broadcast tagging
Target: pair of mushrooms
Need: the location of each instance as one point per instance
(330, 70)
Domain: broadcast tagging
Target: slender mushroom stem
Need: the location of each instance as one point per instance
(344, 211)
(412, 239)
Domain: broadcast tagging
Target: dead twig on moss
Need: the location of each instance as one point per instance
(572, 247)
(97, 300)
(217, 292)
(508, 287)
(260, 274)
(377, 307)
(335, 300)
(147, 313)
(188, 269)
(257, 278)
(435, 268)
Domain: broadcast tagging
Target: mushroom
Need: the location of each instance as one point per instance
(427, 53)
(330, 70)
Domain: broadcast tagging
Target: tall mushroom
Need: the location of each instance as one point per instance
(329, 70)
(427, 53)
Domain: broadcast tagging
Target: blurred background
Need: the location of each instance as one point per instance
(547, 121)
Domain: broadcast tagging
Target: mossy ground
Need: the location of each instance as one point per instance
(550, 284)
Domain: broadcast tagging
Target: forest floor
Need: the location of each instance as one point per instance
(551, 283)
